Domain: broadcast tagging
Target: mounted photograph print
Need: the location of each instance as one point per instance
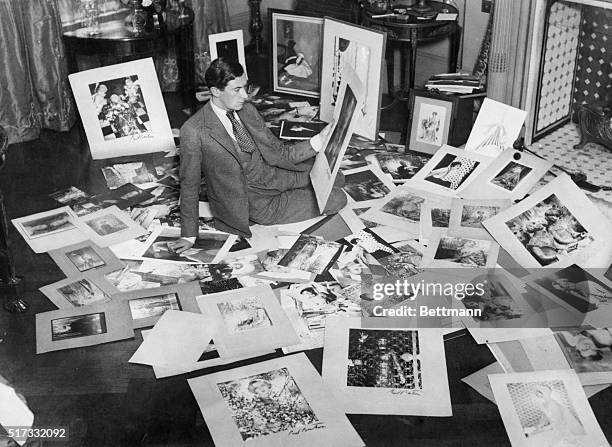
(109, 226)
(511, 175)
(328, 160)
(450, 170)
(589, 353)
(401, 166)
(229, 45)
(435, 216)
(496, 128)
(295, 52)
(82, 326)
(555, 226)
(461, 251)
(79, 291)
(300, 130)
(385, 371)
(85, 258)
(366, 185)
(247, 320)
(346, 45)
(546, 408)
(148, 305)
(49, 230)
(467, 216)
(311, 254)
(122, 109)
(430, 124)
(280, 402)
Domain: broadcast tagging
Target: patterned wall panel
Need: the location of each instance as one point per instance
(594, 68)
(561, 47)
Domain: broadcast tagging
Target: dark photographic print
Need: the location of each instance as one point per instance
(405, 205)
(587, 351)
(45, 226)
(440, 217)
(402, 166)
(300, 130)
(153, 306)
(473, 215)
(120, 107)
(364, 185)
(549, 231)
(298, 43)
(384, 359)
(495, 304)
(85, 259)
(124, 197)
(334, 145)
(82, 293)
(244, 314)
(160, 249)
(107, 224)
(311, 254)
(464, 251)
(577, 288)
(452, 171)
(509, 177)
(430, 124)
(404, 264)
(120, 174)
(228, 49)
(207, 247)
(78, 326)
(267, 403)
(69, 195)
(546, 414)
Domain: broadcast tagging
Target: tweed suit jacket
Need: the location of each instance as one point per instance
(207, 149)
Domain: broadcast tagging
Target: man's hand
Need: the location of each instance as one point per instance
(180, 245)
(318, 140)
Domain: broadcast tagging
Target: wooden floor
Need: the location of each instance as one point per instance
(104, 401)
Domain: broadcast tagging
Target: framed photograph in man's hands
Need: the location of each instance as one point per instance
(296, 40)
(430, 123)
(229, 45)
(122, 109)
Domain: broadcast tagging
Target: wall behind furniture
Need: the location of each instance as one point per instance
(240, 14)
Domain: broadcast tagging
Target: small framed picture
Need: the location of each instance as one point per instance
(296, 41)
(279, 402)
(247, 320)
(229, 45)
(79, 291)
(85, 258)
(109, 226)
(82, 326)
(148, 305)
(431, 120)
(122, 109)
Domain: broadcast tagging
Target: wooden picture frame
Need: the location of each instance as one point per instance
(300, 72)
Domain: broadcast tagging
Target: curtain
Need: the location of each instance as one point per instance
(509, 57)
(211, 17)
(34, 90)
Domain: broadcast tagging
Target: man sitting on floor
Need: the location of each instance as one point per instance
(251, 176)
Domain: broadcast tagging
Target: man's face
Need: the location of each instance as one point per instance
(233, 96)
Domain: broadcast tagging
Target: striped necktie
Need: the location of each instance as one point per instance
(243, 137)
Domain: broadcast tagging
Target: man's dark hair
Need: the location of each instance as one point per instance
(222, 71)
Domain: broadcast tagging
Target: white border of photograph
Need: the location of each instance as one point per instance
(333, 427)
(419, 179)
(432, 400)
(159, 139)
(278, 333)
(352, 221)
(456, 216)
(110, 262)
(117, 327)
(52, 292)
(582, 209)
(496, 128)
(185, 295)
(429, 260)
(575, 394)
(274, 16)
(483, 188)
(375, 41)
(322, 175)
(236, 35)
(54, 240)
(385, 180)
(131, 229)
